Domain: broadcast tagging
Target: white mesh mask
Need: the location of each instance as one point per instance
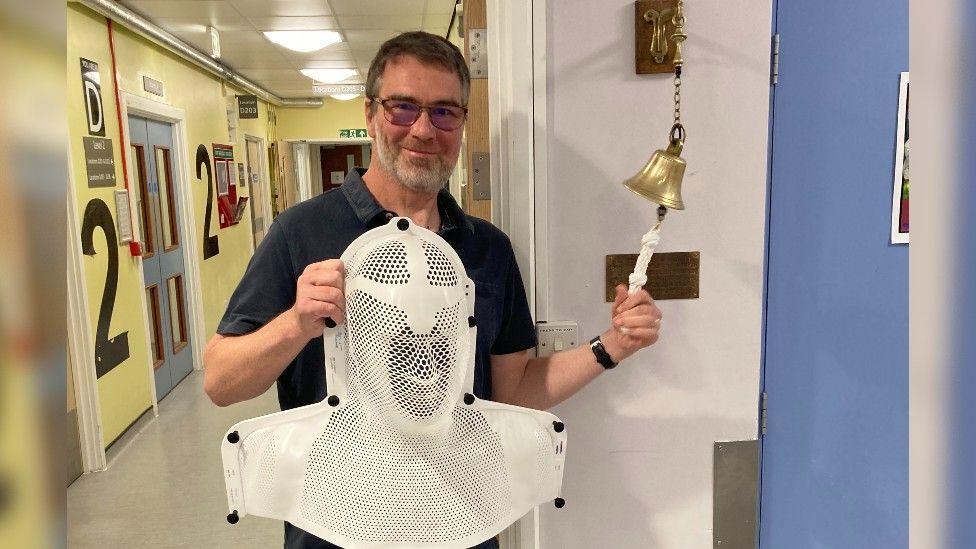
(400, 454)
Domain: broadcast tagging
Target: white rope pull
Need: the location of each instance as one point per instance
(649, 242)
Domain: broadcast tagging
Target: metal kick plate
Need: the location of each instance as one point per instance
(481, 176)
(735, 497)
(478, 53)
(670, 275)
(653, 27)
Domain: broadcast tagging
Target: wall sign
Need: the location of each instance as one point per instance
(92, 87)
(337, 89)
(99, 161)
(152, 86)
(359, 132)
(247, 106)
(670, 275)
(240, 174)
(109, 352)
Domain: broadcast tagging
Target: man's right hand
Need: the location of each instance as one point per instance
(320, 295)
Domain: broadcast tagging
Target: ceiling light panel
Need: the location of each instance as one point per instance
(304, 40)
(327, 63)
(331, 76)
(338, 52)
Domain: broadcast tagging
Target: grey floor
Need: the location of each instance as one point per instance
(164, 486)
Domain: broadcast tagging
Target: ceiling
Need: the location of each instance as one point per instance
(363, 24)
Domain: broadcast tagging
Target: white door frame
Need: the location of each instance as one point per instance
(303, 170)
(136, 105)
(518, 136)
(81, 342)
(518, 145)
(265, 181)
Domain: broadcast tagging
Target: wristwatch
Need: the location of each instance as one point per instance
(602, 356)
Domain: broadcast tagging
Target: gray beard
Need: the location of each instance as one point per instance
(418, 178)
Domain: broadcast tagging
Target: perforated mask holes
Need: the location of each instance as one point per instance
(387, 264)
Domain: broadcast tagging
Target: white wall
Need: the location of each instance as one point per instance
(639, 463)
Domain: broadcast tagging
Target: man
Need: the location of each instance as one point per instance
(417, 89)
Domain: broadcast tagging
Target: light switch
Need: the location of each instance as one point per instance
(556, 335)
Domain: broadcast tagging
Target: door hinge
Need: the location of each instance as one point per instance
(478, 53)
(774, 63)
(762, 414)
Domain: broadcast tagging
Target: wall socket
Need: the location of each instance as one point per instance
(556, 335)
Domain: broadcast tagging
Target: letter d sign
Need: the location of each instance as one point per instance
(93, 97)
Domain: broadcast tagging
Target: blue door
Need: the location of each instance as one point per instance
(835, 371)
(158, 195)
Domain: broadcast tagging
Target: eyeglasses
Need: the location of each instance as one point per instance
(405, 113)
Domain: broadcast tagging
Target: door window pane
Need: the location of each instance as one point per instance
(223, 178)
(144, 200)
(177, 312)
(155, 326)
(167, 200)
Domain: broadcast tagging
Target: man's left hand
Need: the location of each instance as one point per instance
(635, 322)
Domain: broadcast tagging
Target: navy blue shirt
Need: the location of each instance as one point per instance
(322, 228)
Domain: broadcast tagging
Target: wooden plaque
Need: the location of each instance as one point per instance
(670, 275)
(663, 12)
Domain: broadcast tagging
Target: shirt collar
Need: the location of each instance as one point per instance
(369, 211)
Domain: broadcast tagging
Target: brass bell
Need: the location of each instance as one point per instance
(660, 179)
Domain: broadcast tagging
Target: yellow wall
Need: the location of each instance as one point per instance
(323, 122)
(124, 392)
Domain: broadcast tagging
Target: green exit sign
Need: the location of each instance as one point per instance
(361, 132)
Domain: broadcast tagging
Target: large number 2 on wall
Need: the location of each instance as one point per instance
(109, 353)
(210, 246)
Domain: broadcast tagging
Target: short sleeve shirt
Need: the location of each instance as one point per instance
(322, 228)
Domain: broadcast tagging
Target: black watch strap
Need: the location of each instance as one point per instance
(602, 356)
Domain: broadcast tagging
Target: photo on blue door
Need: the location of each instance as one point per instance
(899, 193)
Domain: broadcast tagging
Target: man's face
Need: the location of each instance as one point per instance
(421, 156)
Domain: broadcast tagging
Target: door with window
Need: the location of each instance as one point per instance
(158, 194)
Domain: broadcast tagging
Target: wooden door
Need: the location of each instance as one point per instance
(476, 127)
(287, 191)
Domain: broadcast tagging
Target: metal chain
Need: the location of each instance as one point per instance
(677, 97)
(679, 37)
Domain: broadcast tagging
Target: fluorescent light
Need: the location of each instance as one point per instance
(329, 76)
(304, 40)
(344, 96)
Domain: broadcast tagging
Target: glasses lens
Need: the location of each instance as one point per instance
(447, 117)
(402, 113)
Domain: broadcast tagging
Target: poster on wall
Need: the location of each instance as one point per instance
(899, 192)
